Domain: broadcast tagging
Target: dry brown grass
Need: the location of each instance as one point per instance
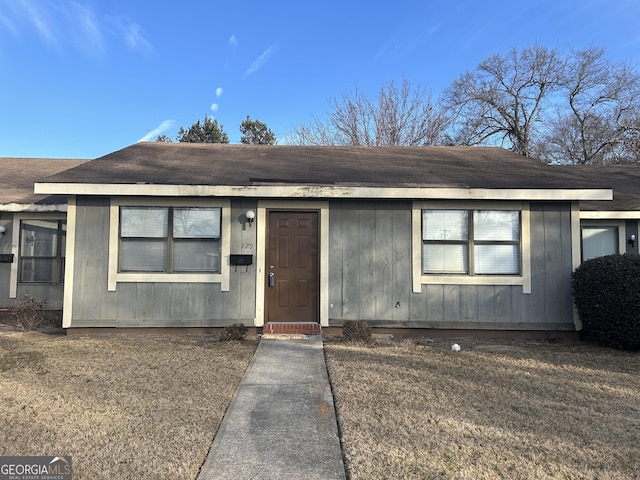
(124, 407)
(516, 410)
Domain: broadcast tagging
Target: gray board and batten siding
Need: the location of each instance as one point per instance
(370, 277)
(151, 304)
(49, 295)
(6, 246)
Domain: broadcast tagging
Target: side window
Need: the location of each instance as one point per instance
(598, 241)
(42, 250)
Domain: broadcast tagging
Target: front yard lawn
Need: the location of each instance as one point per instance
(148, 406)
(508, 409)
(123, 406)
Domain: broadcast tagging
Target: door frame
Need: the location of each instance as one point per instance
(322, 207)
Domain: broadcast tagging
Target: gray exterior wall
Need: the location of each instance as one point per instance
(370, 275)
(5, 271)
(155, 304)
(631, 226)
(5, 268)
(51, 296)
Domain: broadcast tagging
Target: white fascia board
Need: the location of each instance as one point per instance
(322, 191)
(610, 215)
(32, 207)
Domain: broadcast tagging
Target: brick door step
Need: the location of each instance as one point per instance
(285, 336)
(302, 328)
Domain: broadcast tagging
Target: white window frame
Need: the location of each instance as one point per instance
(116, 277)
(58, 258)
(620, 225)
(15, 248)
(419, 278)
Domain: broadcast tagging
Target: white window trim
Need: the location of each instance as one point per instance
(116, 277)
(419, 279)
(620, 225)
(15, 245)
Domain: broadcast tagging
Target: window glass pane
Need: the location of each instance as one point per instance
(39, 238)
(497, 259)
(144, 222)
(196, 223)
(445, 258)
(143, 255)
(445, 225)
(599, 241)
(37, 270)
(196, 256)
(496, 225)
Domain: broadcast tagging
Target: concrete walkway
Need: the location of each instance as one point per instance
(281, 422)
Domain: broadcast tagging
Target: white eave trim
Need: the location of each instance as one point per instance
(610, 215)
(32, 207)
(322, 191)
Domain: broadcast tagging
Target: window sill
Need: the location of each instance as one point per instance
(471, 280)
(169, 277)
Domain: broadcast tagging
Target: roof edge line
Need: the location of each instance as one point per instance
(323, 191)
(609, 214)
(32, 207)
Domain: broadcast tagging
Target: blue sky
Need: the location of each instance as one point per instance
(83, 78)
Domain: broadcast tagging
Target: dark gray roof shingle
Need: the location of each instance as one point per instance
(246, 165)
(17, 176)
(225, 164)
(623, 179)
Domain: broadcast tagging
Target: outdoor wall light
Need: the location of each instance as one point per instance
(250, 214)
(632, 240)
(2, 230)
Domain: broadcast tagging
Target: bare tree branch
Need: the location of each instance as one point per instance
(601, 122)
(503, 98)
(398, 116)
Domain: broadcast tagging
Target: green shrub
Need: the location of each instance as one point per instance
(606, 292)
(235, 332)
(356, 331)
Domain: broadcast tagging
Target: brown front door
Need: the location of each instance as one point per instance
(292, 282)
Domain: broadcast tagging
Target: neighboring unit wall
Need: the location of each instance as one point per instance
(631, 227)
(370, 275)
(156, 304)
(11, 290)
(6, 247)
